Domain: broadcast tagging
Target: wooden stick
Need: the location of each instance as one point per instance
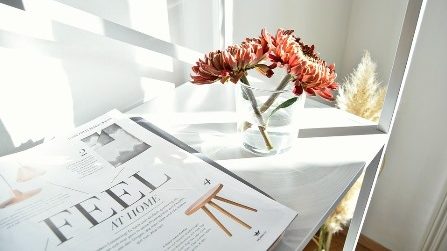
(211, 215)
(229, 214)
(234, 203)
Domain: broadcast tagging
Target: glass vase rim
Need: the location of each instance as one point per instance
(285, 90)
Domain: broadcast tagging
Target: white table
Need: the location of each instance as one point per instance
(311, 178)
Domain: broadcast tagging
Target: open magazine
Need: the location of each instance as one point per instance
(114, 185)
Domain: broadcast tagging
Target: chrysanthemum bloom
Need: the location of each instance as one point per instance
(314, 77)
(260, 41)
(309, 72)
(307, 50)
(283, 48)
(313, 74)
(231, 64)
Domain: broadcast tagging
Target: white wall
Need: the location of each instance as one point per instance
(414, 179)
(319, 22)
(341, 30)
(374, 26)
(190, 23)
(59, 68)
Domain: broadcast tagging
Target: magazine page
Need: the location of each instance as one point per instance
(112, 185)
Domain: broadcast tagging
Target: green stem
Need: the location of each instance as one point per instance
(273, 97)
(258, 114)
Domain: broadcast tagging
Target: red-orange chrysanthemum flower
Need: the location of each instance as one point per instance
(231, 64)
(318, 78)
(282, 48)
(311, 74)
(314, 77)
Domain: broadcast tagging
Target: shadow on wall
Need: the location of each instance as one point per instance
(14, 3)
(8, 147)
(65, 78)
(56, 77)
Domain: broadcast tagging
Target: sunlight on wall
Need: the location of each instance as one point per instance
(195, 99)
(153, 88)
(146, 17)
(151, 17)
(35, 100)
(153, 59)
(64, 14)
(206, 98)
(15, 20)
(161, 106)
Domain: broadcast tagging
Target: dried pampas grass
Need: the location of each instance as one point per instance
(362, 94)
(345, 210)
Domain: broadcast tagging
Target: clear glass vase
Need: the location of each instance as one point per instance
(267, 119)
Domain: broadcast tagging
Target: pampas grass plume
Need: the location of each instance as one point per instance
(345, 210)
(362, 94)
